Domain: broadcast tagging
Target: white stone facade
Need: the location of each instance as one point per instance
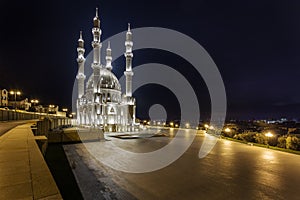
(100, 102)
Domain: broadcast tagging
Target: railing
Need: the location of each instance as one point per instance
(10, 115)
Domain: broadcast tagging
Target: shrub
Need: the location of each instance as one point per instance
(292, 142)
(281, 142)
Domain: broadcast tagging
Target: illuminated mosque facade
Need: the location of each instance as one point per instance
(100, 101)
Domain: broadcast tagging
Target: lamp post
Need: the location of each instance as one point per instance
(15, 93)
(34, 102)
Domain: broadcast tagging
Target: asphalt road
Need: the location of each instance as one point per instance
(7, 125)
(231, 171)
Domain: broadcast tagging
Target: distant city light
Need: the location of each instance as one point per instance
(65, 109)
(206, 126)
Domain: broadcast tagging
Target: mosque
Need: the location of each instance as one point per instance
(100, 101)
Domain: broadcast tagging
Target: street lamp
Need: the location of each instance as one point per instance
(227, 130)
(15, 92)
(268, 135)
(187, 125)
(65, 109)
(34, 101)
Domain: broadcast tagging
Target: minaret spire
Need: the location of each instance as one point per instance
(80, 60)
(108, 57)
(128, 55)
(96, 19)
(96, 43)
(129, 74)
(80, 40)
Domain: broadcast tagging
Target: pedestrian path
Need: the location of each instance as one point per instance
(24, 173)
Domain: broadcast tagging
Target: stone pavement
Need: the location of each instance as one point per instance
(95, 180)
(24, 173)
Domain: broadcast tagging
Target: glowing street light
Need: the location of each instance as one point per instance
(65, 109)
(176, 125)
(15, 92)
(34, 101)
(187, 125)
(171, 124)
(206, 126)
(269, 134)
(227, 130)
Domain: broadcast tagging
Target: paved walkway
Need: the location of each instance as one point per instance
(24, 173)
(7, 125)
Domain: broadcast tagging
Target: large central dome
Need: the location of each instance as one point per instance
(108, 80)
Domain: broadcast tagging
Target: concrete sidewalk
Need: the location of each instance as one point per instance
(24, 173)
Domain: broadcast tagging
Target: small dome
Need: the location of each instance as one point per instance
(108, 80)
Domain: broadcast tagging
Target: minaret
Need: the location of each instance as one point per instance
(96, 43)
(80, 60)
(108, 57)
(128, 54)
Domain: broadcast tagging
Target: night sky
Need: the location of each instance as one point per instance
(255, 44)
